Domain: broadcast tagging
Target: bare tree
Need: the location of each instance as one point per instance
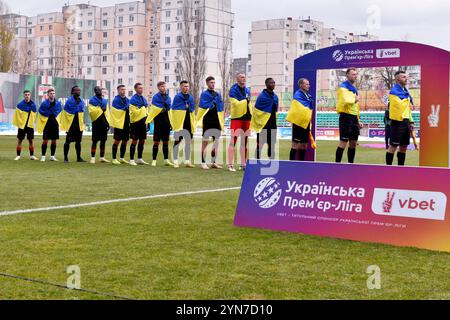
(225, 63)
(387, 75)
(193, 61)
(56, 52)
(7, 52)
(363, 80)
(24, 58)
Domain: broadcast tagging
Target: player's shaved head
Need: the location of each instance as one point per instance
(401, 78)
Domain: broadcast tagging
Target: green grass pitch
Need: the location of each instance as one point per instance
(183, 247)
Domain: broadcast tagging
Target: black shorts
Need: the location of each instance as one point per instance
(122, 134)
(162, 128)
(51, 130)
(269, 135)
(161, 132)
(28, 132)
(100, 128)
(74, 135)
(214, 126)
(400, 133)
(299, 134)
(348, 127)
(138, 130)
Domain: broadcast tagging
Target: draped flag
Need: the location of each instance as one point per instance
(301, 110)
(70, 110)
(346, 99)
(96, 107)
(138, 108)
(118, 110)
(238, 101)
(263, 110)
(24, 111)
(158, 105)
(207, 101)
(400, 102)
(178, 110)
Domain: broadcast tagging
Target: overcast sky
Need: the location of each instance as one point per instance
(412, 20)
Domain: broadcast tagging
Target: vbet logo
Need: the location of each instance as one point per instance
(267, 193)
(410, 204)
(388, 53)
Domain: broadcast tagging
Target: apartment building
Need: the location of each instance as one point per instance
(131, 42)
(240, 66)
(275, 44)
(218, 22)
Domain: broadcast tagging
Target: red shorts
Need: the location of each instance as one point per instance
(240, 126)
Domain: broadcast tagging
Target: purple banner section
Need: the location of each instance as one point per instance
(403, 206)
(376, 133)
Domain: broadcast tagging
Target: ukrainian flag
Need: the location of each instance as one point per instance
(207, 101)
(120, 107)
(72, 109)
(96, 107)
(301, 110)
(239, 102)
(178, 110)
(346, 99)
(138, 108)
(45, 111)
(400, 102)
(20, 117)
(158, 105)
(263, 110)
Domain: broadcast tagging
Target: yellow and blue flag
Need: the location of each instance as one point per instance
(301, 109)
(208, 100)
(138, 108)
(263, 110)
(45, 111)
(98, 106)
(239, 101)
(400, 102)
(346, 99)
(25, 111)
(180, 106)
(159, 103)
(71, 109)
(118, 110)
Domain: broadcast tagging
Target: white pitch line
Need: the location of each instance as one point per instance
(99, 203)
